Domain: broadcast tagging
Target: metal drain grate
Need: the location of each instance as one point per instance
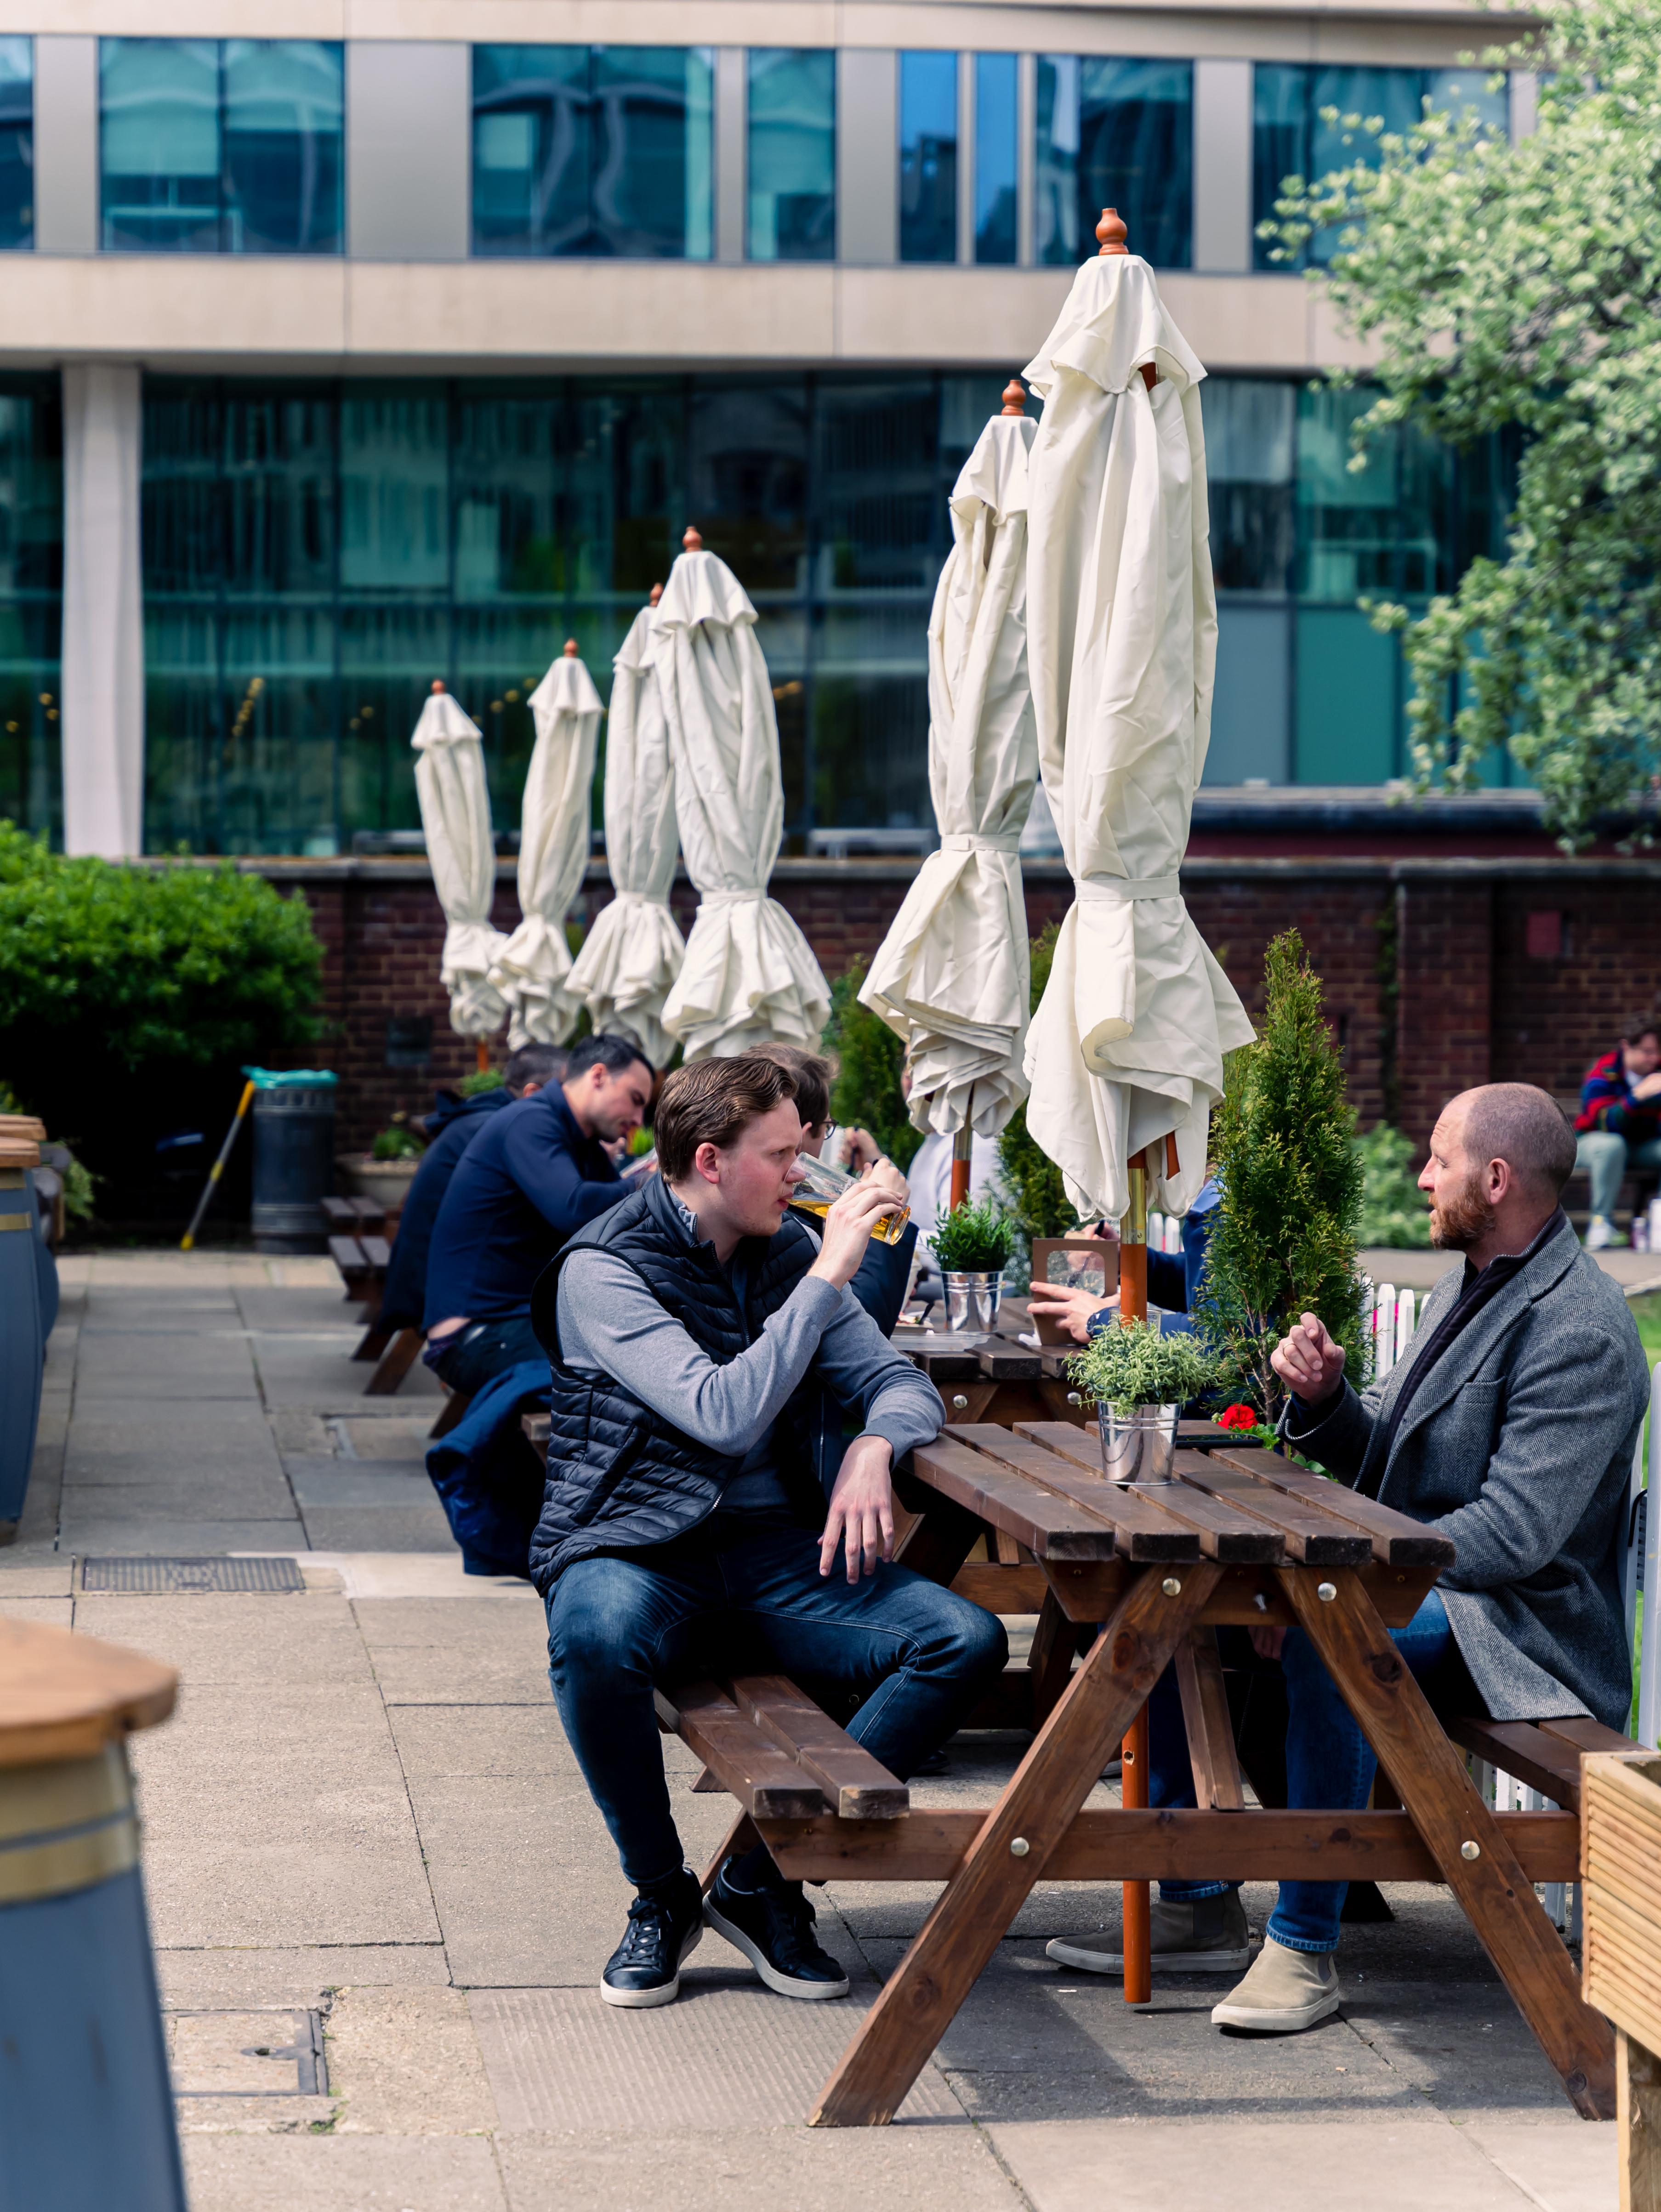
(179, 1577)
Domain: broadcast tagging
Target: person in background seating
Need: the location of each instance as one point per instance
(683, 1522)
(1619, 1124)
(536, 1172)
(451, 1127)
(1508, 1427)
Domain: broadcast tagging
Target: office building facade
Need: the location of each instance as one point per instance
(330, 364)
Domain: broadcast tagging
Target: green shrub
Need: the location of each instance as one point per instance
(974, 1240)
(481, 1078)
(400, 1142)
(869, 1056)
(1132, 1364)
(1393, 1209)
(1032, 1182)
(1282, 1139)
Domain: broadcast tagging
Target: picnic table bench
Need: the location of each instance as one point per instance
(361, 1250)
(1145, 1573)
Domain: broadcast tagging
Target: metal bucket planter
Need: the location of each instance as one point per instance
(972, 1301)
(1139, 1445)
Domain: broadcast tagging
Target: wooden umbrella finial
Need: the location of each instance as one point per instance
(1112, 233)
(656, 594)
(570, 648)
(438, 684)
(692, 541)
(1014, 397)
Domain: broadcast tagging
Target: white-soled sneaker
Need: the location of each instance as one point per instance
(1198, 1935)
(1285, 1991)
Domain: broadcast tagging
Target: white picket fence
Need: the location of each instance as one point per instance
(1165, 1233)
(1388, 1319)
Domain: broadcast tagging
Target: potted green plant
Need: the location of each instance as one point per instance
(1139, 1381)
(973, 1243)
(385, 1171)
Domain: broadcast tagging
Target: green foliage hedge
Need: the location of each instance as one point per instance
(1038, 1195)
(147, 964)
(869, 1056)
(1393, 1208)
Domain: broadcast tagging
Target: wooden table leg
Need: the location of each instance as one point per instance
(1459, 1831)
(1050, 1661)
(1217, 1781)
(1135, 1897)
(971, 1914)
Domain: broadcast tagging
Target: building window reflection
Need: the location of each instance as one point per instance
(997, 160)
(1293, 136)
(792, 154)
(31, 602)
(594, 151)
(17, 141)
(231, 146)
(928, 157)
(1113, 133)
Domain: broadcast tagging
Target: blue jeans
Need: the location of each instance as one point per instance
(1604, 1156)
(1329, 1763)
(921, 1657)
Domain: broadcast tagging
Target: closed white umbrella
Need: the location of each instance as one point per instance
(1127, 1043)
(455, 813)
(632, 953)
(532, 969)
(951, 974)
(749, 974)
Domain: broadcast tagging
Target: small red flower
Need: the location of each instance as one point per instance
(1238, 1417)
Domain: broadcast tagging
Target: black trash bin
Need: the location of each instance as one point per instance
(293, 1158)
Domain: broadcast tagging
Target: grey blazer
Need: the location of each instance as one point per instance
(1518, 1445)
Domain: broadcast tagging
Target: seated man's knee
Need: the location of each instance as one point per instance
(596, 1623)
(977, 1643)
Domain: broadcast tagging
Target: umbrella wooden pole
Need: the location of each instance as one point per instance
(962, 1152)
(1133, 1752)
(482, 1055)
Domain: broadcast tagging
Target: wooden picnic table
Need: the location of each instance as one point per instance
(1240, 1536)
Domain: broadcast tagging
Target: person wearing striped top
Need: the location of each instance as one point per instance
(1619, 1125)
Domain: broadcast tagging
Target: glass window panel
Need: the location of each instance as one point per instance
(1251, 705)
(183, 488)
(995, 158)
(159, 144)
(389, 656)
(278, 490)
(1250, 434)
(1056, 167)
(531, 127)
(1456, 89)
(652, 148)
(1386, 527)
(1136, 154)
(747, 462)
(793, 154)
(506, 484)
(394, 488)
(17, 141)
(277, 756)
(183, 725)
(625, 500)
(1349, 710)
(284, 104)
(594, 151)
(884, 525)
(31, 604)
(928, 157)
(1394, 95)
(1279, 144)
(502, 655)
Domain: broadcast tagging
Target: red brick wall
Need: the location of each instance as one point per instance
(1470, 1004)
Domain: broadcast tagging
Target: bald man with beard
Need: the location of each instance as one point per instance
(1508, 1427)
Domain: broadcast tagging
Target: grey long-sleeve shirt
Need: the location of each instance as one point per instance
(608, 1319)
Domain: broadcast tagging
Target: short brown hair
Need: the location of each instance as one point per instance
(813, 1076)
(713, 1101)
(1640, 1026)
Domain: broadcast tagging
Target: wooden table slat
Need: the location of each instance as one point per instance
(1314, 1538)
(1145, 1531)
(1049, 1527)
(1237, 1539)
(1397, 1539)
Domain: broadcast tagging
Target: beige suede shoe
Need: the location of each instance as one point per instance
(1284, 1991)
(1207, 1936)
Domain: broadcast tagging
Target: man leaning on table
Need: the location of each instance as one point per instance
(1509, 1427)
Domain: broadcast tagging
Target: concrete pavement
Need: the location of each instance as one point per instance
(381, 1896)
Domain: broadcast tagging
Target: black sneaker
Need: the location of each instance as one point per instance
(664, 1930)
(773, 1926)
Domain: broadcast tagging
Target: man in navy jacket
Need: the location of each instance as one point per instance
(451, 1127)
(536, 1172)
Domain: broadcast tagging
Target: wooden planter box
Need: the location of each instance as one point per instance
(1620, 1954)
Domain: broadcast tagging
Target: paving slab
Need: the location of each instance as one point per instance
(134, 1536)
(406, 2062)
(342, 2173)
(51, 1612)
(416, 1525)
(239, 1638)
(265, 1308)
(280, 1819)
(912, 2166)
(1363, 2165)
(391, 1435)
(1566, 2165)
(316, 1481)
(481, 1739)
(25, 1572)
(292, 1974)
(560, 2059)
(229, 1492)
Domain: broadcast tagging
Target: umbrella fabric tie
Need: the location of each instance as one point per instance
(1118, 890)
(972, 841)
(733, 898)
